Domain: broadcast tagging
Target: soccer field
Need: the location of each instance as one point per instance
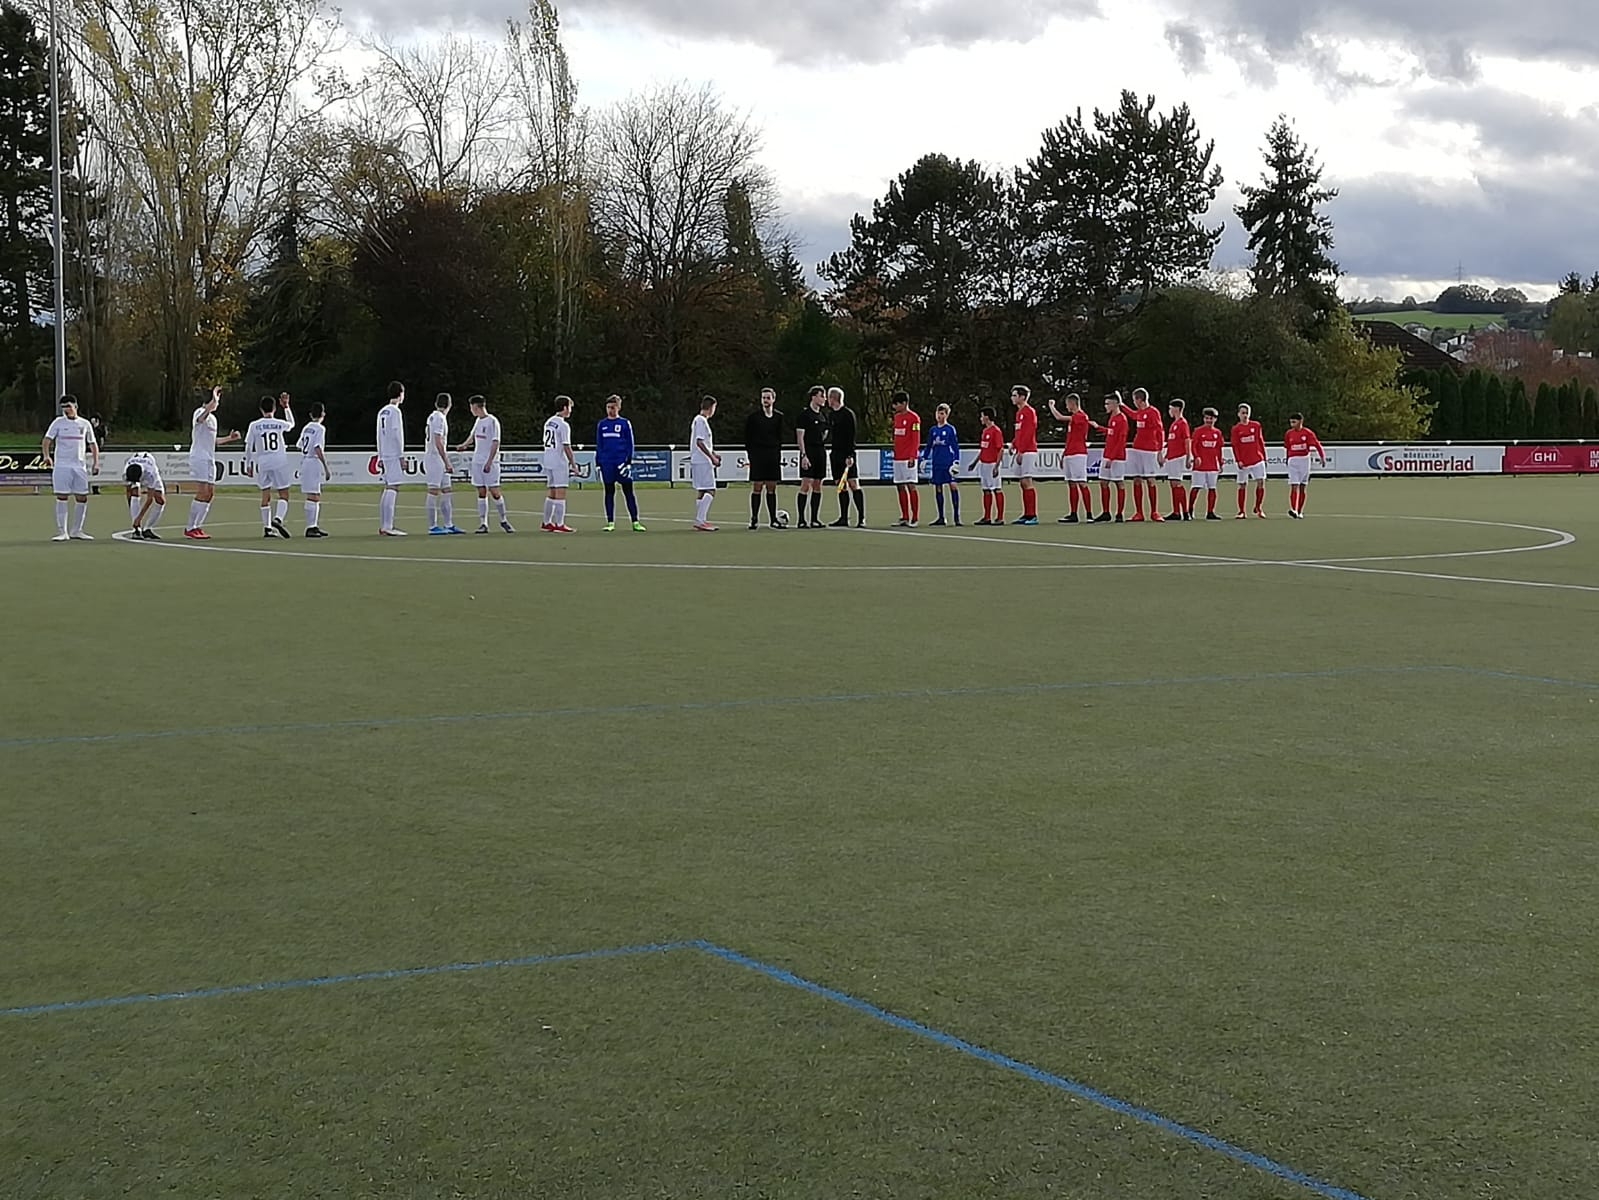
(1251, 859)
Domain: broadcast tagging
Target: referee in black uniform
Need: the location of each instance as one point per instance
(842, 441)
(810, 431)
(763, 446)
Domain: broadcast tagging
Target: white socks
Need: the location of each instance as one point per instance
(447, 511)
(312, 510)
(433, 511)
(386, 509)
(155, 515)
(133, 509)
(702, 510)
(62, 507)
(557, 516)
(499, 506)
(83, 513)
(549, 512)
(266, 516)
(283, 509)
(483, 511)
(197, 514)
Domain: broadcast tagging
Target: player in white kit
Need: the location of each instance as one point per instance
(436, 465)
(69, 449)
(203, 463)
(560, 464)
(703, 461)
(314, 469)
(147, 495)
(266, 452)
(391, 458)
(485, 447)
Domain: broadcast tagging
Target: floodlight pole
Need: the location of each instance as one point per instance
(57, 236)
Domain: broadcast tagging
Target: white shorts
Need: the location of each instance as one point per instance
(703, 475)
(70, 479)
(988, 476)
(1206, 481)
(1113, 470)
(438, 474)
(485, 477)
(274, 479)
(1299, 469)
(1027, 464)
(391, 471)
(1143, 464)
(904, 472)
(1176, 468)
(1077, 468)
(557, 473)
(312, 477)
(202, 469)
(1256, 472)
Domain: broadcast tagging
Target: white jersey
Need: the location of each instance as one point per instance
(267, 442)
(485, 436)
(701, 433)
(391, 432)
(72, 437)
(557, 437)
(438, 430)
(204, 425)
(149, 469)
(313, 437)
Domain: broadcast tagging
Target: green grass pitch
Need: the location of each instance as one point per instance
(1285, 831)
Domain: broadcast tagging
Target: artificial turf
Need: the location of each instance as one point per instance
(1293, 851)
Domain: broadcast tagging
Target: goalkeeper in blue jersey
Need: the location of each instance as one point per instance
(943, 453)
(613, 441)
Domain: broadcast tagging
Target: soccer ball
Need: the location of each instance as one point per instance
(782, 519)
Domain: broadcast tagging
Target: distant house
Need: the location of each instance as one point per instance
(1415, 353)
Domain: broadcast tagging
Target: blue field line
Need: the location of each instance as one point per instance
(320, 981)
(1059, 1082)
(703, 706)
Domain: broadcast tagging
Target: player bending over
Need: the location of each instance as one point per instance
(266, 451)
(1249, 453)
(391, 458)
(147, 496)
(560, 464)
(613, 442)
(203, 464)
(1299, 442)
(990, 453)
(944, 456)
(314, 469)
(1175, 459)
(1113, 463)
(907, 460)
(1076, 458)
(1205, 459)
(67, 443)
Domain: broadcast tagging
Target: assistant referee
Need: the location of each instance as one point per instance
(763, 447)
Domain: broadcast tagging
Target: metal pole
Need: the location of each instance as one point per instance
(57, 235)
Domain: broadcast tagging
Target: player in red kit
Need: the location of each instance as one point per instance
(1249, 452)
(1076, 457)
(1299, 442)
(990, 452)
(1025, 445)
(1113, 465)
(1205, 456)
(1176, 460)
(907, 456)
(1143, 460)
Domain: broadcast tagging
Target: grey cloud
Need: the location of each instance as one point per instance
(1512, 128)
(1189, 44)
(797, 31)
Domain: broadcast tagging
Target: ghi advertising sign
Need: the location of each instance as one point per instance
(1551, 460)
(1417, 460)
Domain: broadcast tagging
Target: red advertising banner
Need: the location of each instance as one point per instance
(1551, 460)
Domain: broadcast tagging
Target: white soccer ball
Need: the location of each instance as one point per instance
(782, 518)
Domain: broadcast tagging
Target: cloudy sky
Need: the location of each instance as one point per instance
(1463, 134)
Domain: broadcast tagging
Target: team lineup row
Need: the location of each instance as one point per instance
(1139, 446)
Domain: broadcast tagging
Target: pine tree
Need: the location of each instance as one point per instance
(1571, 410)
(1446, 414)
(1590, 415)
(1518, 423)
(1289, 234)
(1546, 413)
(1497, 405)
(25, 258)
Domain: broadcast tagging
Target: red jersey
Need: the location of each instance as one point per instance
(1249, 443)
(1208, 443)
(1116, 437)
(992, 448)
(907, 436)
(1026, 439)
(1151, 429)
(1177, 440)
(1077, 434)
(1300, 442)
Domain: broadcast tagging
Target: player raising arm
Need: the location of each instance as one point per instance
(1207, 445)
(1249, 453)
(613, 444)
(990, 453)
(560, 464)
(266, 452)
(1076, 457)
(944, 455)
(314, 469)
(1299, 442)
(702, 465)
(203, 463)
(68, 441)
(1175, 456)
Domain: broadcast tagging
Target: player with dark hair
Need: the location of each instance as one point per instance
(391, 458)
(842, 453)
(266, 451)
(613, 455)
(703, 464)
(314, 469)
(1208, 444)
(436, 467)
(1249, 453)
(560, 464)
(1075, 458)
(1143, 459)
(484, 443)
(1024, 444)
(147, 497)
(1113, 461)
(1175, 458)
(763, 447)
(1299, 442)
(810, 433)
(203, 463)
(990, 454)
(907, 459)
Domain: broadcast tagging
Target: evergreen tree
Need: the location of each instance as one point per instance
(1289, 234)
(1497, 405)
(1473, 407)
(1590, 415)
(25, 257)
(1518, 423)
(1571, 410)
(1446, 410)
(1546, 413)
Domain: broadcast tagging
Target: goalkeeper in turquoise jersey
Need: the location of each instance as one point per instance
(613, 441)
(943, 453)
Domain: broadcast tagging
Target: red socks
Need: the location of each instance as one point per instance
(999, 505)
(1260, 497)
(1121, 500)
(1104, 497)
(916, 504)
(988, 506)
(1179, 499)
(1029, 502)
(904, 504)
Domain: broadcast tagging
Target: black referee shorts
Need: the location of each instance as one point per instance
(840, 460)
(766, 466)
